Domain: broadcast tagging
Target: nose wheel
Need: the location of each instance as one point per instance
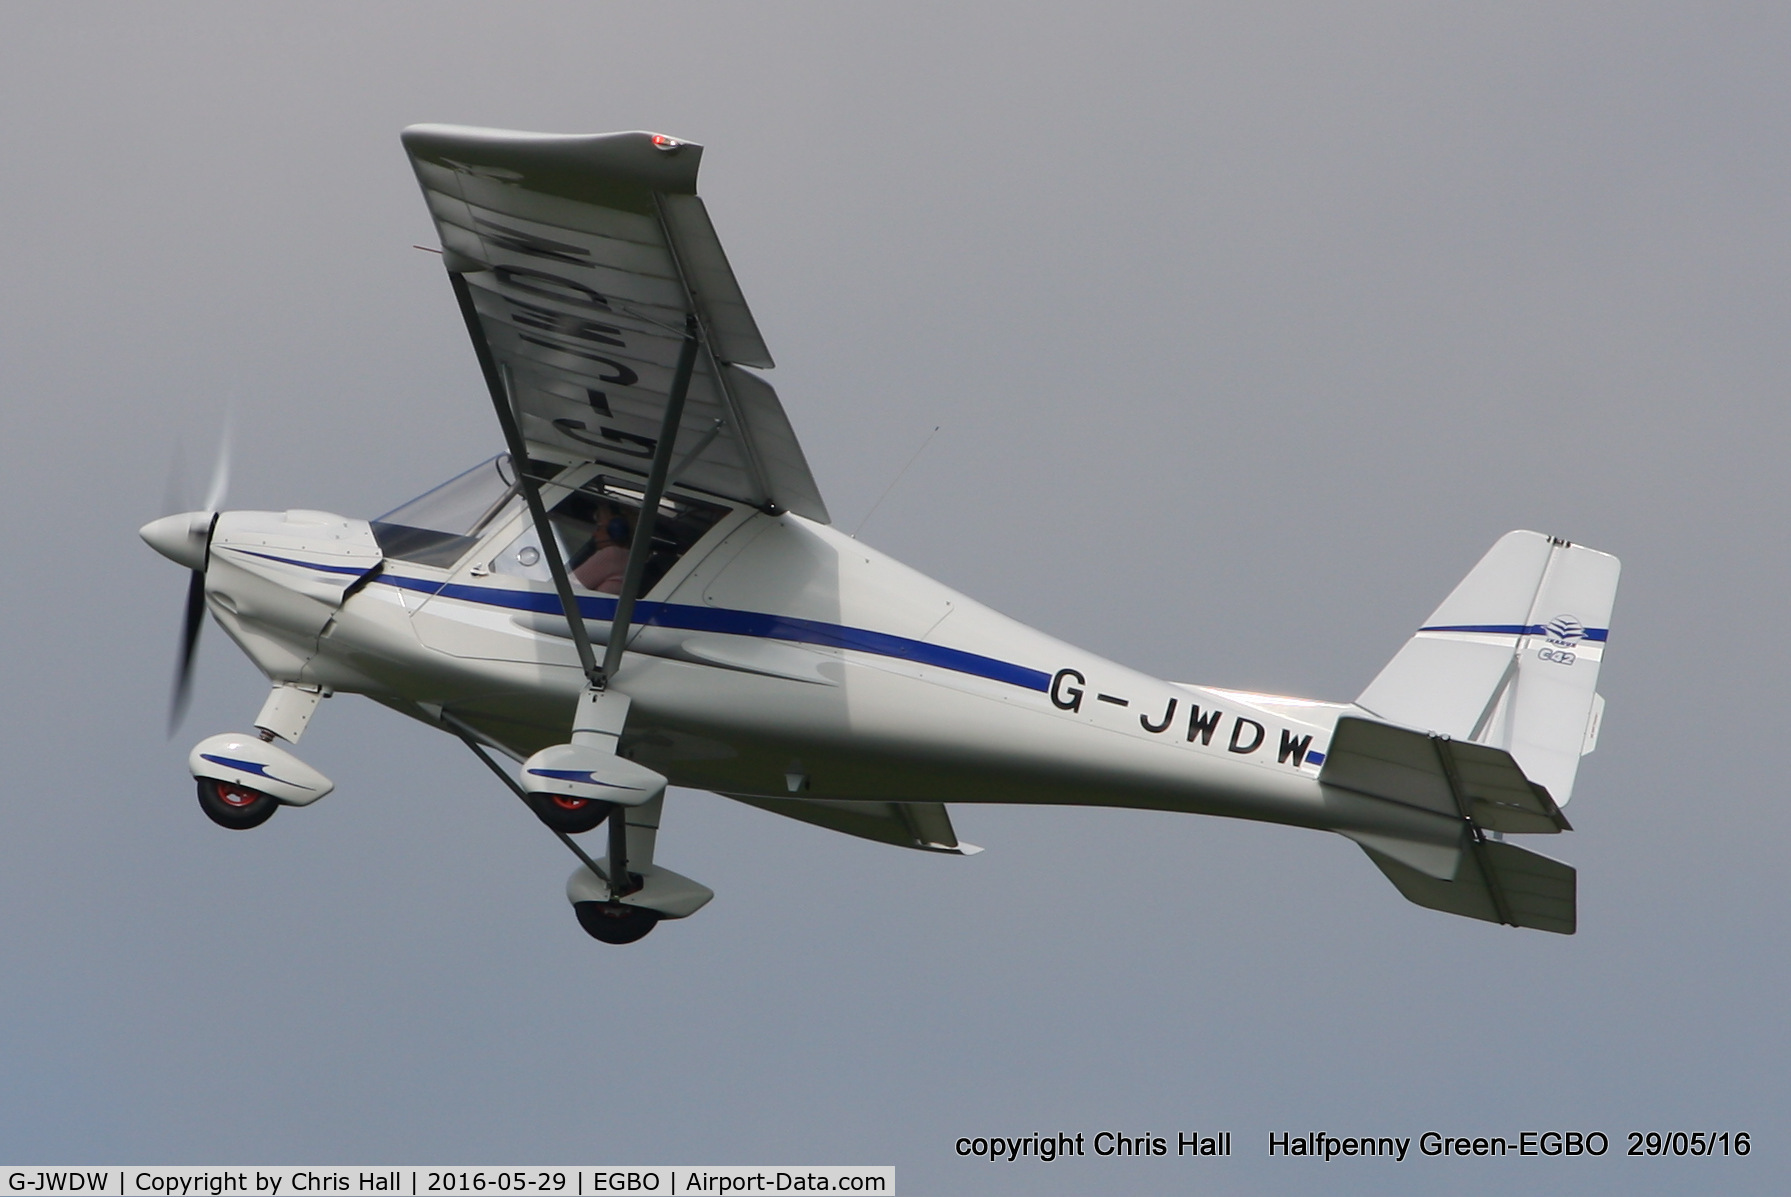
(567, 814)
(235, 806)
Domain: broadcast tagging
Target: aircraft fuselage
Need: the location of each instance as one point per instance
(779, 658)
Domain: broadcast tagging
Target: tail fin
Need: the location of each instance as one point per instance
(1511, 658)
(1481, 720)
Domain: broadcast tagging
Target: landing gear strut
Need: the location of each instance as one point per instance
(646, 893)
(244, 778)
(235, 806)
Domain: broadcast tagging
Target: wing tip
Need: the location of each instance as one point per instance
(560, 163)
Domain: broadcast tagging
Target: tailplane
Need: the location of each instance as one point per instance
(1474, 794)
(1498, 882)
(1481, 720)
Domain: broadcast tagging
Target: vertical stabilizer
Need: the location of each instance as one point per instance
(1511, 658)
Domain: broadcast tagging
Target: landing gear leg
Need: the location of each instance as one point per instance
(627, 908)
(615, 921)
(621, 882)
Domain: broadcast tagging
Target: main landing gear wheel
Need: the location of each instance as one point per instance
(570, 815)
(235, 806)
(614, 922)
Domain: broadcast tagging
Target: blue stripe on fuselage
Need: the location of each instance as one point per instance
(739, 623)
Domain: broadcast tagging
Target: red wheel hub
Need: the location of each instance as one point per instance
(238, 796)
(568, 802)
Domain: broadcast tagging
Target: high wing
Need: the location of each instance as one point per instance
(585, 257)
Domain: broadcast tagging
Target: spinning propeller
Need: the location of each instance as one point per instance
(186, 539)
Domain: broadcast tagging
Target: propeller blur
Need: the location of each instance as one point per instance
(186, 540)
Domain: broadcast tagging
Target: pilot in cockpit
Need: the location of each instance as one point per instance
(603, 568)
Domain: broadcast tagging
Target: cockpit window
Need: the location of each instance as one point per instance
(439, 527)
(595, 526)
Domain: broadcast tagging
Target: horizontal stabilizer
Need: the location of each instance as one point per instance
(1448, 777)
(923, 825)
(1494, 881)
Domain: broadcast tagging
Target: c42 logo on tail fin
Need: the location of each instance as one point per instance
(1563, 631)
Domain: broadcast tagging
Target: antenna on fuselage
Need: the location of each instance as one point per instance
(892, 484)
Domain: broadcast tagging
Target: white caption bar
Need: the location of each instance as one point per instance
(648, 1181)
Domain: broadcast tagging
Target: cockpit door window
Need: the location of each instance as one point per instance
(595, 526)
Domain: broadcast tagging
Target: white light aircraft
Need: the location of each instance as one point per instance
(644, 590)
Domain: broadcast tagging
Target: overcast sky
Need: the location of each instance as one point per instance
(1248, 328)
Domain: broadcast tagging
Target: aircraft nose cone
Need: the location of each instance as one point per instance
(179, 538)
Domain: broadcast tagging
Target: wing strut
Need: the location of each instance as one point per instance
(498, 383)
(470, 737)
(640, 545)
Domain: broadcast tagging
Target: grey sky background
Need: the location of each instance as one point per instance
(1248, 328)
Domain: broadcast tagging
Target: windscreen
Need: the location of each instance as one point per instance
(439, 527)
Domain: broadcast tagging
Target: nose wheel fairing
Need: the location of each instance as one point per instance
(238, 759)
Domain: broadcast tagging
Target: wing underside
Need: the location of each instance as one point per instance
(923, 825)
(588, 259)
